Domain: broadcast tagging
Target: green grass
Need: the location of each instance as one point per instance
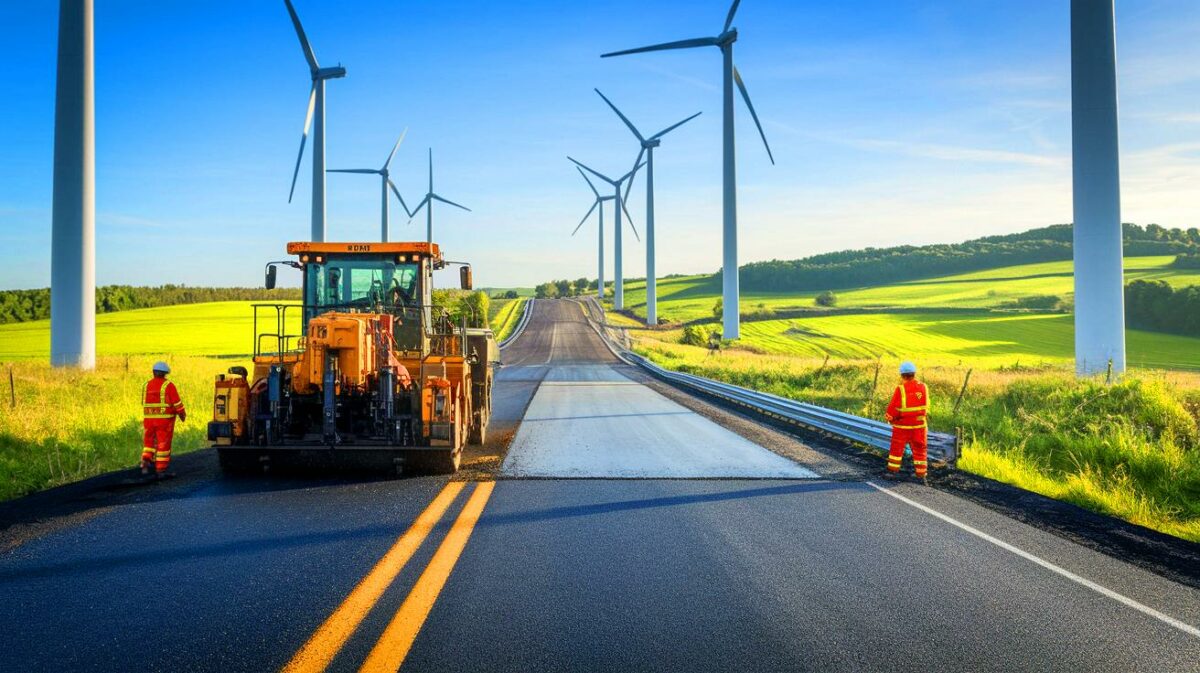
(504, 318)
(690, 298)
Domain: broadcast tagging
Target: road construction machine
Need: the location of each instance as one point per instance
(364, 372)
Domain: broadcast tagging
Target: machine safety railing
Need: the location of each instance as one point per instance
(279, 328)
(944, 448)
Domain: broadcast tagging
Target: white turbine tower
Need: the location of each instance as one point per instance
(427, 203)
(387, 183)
(618, 207)
(729, 267)
(316, 109)
(648, 145)
(1099, 298)
(73, 220)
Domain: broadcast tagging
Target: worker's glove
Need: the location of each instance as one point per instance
(888, 418)
(183, 415)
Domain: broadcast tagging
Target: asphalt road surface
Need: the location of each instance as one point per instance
(626, 531)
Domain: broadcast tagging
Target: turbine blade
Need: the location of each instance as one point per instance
(585, 217)
(732, 11)
(394, 148)
(737, 77)
(589, 170)
(304, 45)
(589, 181)
(372, 171)
(623, 117)
(449, 202)
(629, 186)
(629, 219)
(424, 202)
(397, 193)
(630, 174)
(667, 130)
(681, 44)
(308, 117)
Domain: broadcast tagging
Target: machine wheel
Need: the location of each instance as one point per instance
(443, 462)
(478, 429)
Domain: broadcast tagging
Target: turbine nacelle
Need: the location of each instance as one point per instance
(329, 73)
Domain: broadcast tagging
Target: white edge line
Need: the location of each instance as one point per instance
(1144, 609)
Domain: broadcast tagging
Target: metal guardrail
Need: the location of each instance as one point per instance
(943, 447)
(526, 311)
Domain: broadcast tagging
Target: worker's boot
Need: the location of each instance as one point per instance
(891, 476)
(146, 468)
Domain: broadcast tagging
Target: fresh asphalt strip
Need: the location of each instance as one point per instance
(390, 651)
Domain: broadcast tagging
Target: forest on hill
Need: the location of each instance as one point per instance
(882, 266)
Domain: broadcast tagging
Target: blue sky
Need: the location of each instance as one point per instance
(892, 122)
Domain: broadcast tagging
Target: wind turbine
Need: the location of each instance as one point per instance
(427, 203)
(724, 41)
(599, 202)
(648, 145)
(619, 206)
(316, 108)
(386, 183)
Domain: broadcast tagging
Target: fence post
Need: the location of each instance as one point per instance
(1108, 377)
(966, 380)
(12, 388)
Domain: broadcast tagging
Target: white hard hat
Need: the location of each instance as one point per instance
(907, 367)
(161, 366)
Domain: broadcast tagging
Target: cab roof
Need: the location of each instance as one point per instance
(418, 247)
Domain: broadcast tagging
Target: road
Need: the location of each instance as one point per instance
(628, 529)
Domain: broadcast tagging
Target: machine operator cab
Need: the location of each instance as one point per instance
(388, 278)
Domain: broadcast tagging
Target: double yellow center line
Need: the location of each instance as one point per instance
(397, 639)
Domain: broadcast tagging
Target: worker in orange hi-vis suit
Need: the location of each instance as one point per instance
(160, 407)
(906, 413)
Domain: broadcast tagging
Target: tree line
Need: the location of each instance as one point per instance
(25, 305)
(881, 266)
(1155, 305)
(564, 288)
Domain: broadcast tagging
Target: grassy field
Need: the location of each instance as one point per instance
(690, 298)
(70, 425)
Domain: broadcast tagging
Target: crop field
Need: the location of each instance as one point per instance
(218, 328)
(980, 340)
(688, 298)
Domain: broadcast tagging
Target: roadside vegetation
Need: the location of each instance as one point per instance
(505, 316)
(68, 425)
